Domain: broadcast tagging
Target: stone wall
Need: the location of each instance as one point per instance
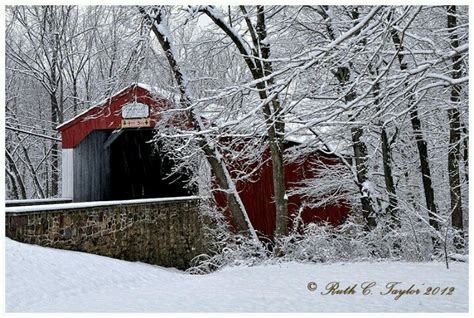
(162, 232)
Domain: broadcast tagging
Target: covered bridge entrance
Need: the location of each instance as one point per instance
(107, 153)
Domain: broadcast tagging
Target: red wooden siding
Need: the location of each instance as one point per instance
(257, 197)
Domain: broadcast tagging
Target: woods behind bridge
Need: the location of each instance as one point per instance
(382, 88)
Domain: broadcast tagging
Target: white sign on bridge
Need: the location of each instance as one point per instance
(135, 110)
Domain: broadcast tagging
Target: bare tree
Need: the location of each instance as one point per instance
(454, 152)
(258, 62)
(38, 56)
(421, 143)
(240, 217)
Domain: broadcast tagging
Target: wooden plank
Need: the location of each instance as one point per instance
(91, 175)
(67, 173)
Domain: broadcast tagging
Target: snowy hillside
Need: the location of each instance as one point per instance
(43, 280)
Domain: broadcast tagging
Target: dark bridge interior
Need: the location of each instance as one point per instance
(139, 170)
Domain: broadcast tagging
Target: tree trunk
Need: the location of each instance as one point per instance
(343, 75)
(425, 168)
(219, 169)
(56, 111)
(360, 156)
(454, 152)
(259, 66)
(388, 176)
(75, 97)
(466, 152)
(276, 132)
(421, 145)
(55, 149)
(387, 164)
(16, 175)
(232, 197)
(14, 189)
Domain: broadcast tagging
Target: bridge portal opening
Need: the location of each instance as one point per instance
(121, 165)
(140, 169)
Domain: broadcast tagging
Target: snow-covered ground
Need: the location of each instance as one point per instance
(49, 280)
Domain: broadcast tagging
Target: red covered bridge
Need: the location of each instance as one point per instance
(106, 156)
